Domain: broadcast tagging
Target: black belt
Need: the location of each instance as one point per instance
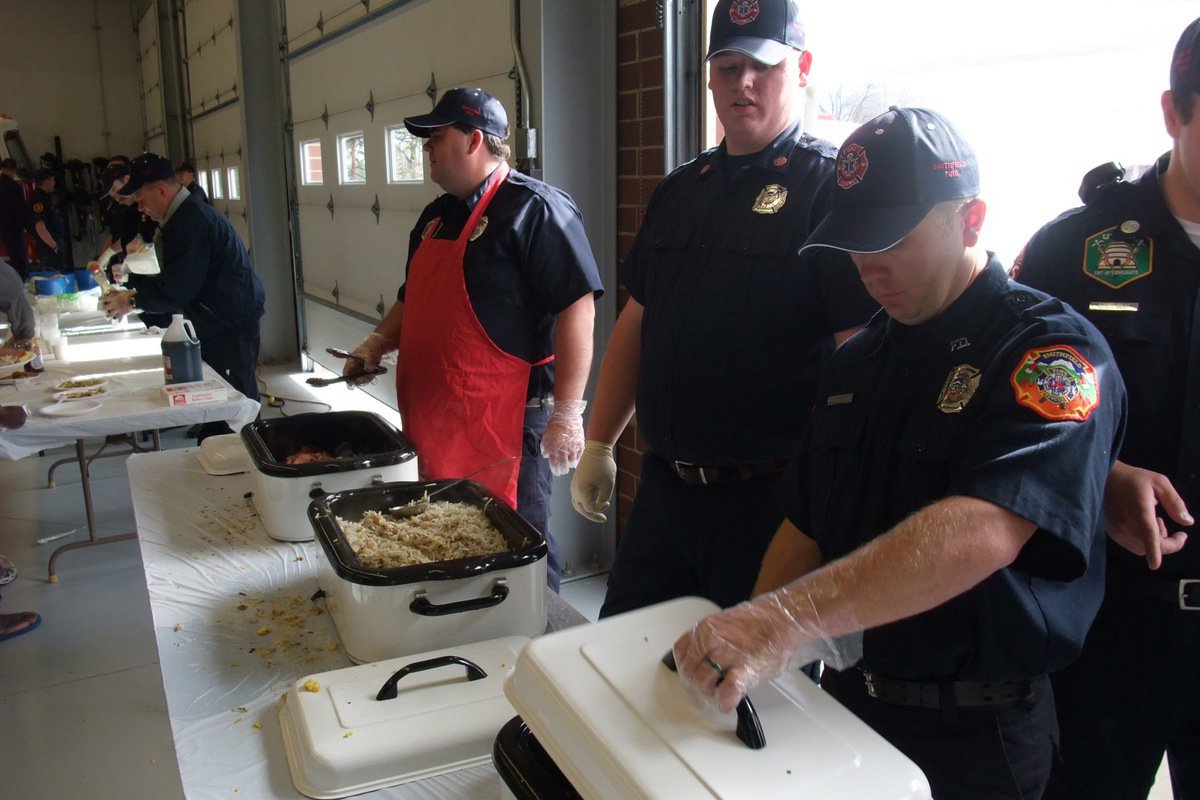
(946, 694)
(694, 473)
(1183, 593)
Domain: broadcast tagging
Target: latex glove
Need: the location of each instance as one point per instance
(118, 273)
(116, 304)
(367, 356)
(108, 253)
(562, 443)
(727, 654)
(595, 477)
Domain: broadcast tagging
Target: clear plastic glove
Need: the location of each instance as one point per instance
(104, 258)
(367, 356)
(594, 480)
(727, 654)
(562, 442)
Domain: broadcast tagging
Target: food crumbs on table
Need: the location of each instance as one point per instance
(312, 685)
(263, 631)
(240, 710)
(347, 734)
(178, 627)
(258, 726)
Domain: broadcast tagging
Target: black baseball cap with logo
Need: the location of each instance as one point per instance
(890, 172)
(474, 108)
(146, 168)
(1185, 61)
(766, 30)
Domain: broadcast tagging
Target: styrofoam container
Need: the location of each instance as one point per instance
(618, 723)
(341, 740)
(384, 613)
(367, 449)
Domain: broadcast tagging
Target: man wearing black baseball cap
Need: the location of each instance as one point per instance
(1129, 260)
(206, 274)
(944, 544)
(719, 346)
(494, 321)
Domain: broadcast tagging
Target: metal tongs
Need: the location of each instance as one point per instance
(362, 373)
(419, 506)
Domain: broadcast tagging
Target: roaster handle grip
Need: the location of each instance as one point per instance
(749, 729)
(421, 605)
(388, 690)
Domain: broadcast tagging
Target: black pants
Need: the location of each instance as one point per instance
(533, 488)
(690, 539)
(999, 752)
(234, 355)
(1133, 694)
(14, 242)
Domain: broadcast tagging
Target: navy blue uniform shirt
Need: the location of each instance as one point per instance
(531, 262)
(14, 214)
(1141, 288)
(206, 273)
(885, 441)
(735, 320)
(41, 209)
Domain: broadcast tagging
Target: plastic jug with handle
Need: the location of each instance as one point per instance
(181, 352)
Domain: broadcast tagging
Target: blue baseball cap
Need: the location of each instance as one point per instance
(890, 172)
(146, 168)
(474, 108)
(766, 30)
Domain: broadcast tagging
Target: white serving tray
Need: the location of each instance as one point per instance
(224, 454)
(341, 741)
(619, 724)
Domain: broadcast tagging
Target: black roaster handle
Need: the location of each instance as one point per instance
(421, 605)
(388, 690)
(749, 729)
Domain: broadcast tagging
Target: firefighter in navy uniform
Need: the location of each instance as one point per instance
(944, 545)
(721, 340)
(1129, 260)
(49, 232)
(14, 217)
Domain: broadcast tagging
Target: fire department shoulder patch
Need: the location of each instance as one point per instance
(431, 227)
(851, 165)
(1116, 259)
(1056, 382)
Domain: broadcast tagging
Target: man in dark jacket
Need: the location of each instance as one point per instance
(13, 216)
(206, 274)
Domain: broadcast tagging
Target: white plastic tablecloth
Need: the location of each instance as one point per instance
(235, 625)
(133, 402)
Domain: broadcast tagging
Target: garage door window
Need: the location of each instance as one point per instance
(405, 156)
(352, 158)
(311, 173)
(202, 179)
(217, 185)
(235, 185)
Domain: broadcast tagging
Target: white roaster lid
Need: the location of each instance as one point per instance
(340, 740)
(620, 724)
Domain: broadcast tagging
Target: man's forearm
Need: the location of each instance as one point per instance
(573, 348)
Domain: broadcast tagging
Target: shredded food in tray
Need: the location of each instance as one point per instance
(445, 531)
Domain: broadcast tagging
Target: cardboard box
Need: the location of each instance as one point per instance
(191, 394)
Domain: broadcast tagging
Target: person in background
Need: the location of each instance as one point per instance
(206, 274)
(187, 176)
(14, 217)
(49, 232)
(14, 305)
(1129, 260)
(721, 340)
(944, 542)
(494, 322)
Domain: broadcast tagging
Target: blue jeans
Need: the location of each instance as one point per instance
(533, 488)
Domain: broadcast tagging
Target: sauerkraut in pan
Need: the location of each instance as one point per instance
(445, 531)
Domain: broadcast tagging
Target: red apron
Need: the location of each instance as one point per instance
(462, 398)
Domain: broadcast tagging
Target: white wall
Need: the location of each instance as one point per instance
(50, 67)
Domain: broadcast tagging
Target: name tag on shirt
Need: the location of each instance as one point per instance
(1112, 307)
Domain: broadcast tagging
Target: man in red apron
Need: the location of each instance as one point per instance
(494, 322)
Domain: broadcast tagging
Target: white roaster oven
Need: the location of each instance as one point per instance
(365, 450)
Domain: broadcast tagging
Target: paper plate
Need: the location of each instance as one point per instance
(224, 455)
(79, 384)
(71, 408)
(13, 359)
(91, 392)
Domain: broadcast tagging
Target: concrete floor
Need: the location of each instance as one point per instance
(82, 711)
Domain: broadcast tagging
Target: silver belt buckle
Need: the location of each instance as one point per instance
(870, 681)
(1186, 586)
(681, 465)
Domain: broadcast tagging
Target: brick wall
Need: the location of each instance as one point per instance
(639, 169)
